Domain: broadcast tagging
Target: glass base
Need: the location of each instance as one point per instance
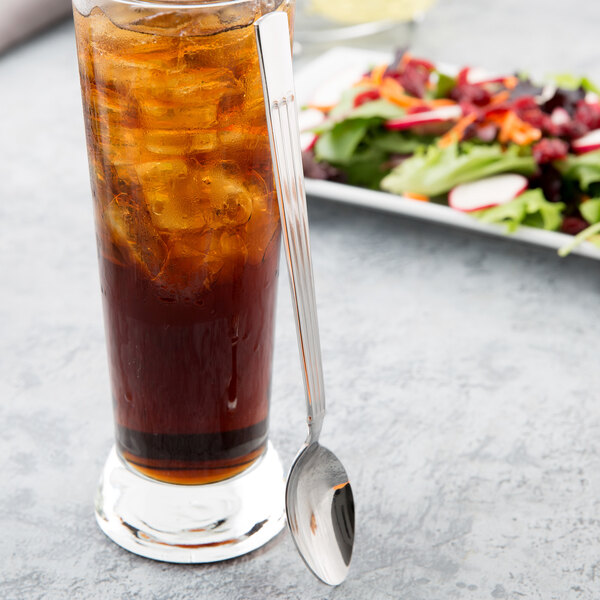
(191, 523)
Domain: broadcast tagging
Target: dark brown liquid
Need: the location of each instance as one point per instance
(188, 233)
(190, 377)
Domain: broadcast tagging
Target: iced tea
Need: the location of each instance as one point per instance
(188, 232)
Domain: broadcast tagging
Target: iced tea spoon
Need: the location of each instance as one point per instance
(319, 501)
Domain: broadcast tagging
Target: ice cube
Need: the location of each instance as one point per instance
(262, 230)
(188, 100)
(194, 93)
(132, 231)
(193, 262)
(160, 174)
(199, 261)
(110, 33)
(232, 245)
(229, 195)
(159, 115)
(234, 252)
(224, 28)
(203, 141)
(131, 75)
(248, 146)
(163, 141)
(125, 59)
(170, 23)
(171, 196)
(123, 147)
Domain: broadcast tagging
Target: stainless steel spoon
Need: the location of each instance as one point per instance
(319, 501)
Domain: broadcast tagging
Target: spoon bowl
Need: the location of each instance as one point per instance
(320, 512)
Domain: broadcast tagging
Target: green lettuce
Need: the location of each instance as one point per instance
(340, 137)
(585, 168)
(355, 141)
(529, 208)
(345, 147)
(377, 109)
(381, 109)
(339, 145)
(590, 210)
(398, 142)
(433, 171)
(591, 234)
(573, 82)
(444, 85)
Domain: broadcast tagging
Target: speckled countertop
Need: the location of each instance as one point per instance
(462, 371)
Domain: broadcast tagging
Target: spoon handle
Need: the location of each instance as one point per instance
(275, 57)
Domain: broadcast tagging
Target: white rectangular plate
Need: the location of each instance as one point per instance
(344, 65)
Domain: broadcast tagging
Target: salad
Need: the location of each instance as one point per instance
(501, 148)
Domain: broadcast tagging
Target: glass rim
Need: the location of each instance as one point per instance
(182, 3)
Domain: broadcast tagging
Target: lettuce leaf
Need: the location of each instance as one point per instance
(585, 168)
(381, 109)
(346, 149)
(444, 85)
(339, 145)
(398, 142)
(434, 171)
(529, 208)
(591, 234)
(366, 168)
(352, 143)
(377, 109)
(339, 139)
(590, 210)
(569, 81)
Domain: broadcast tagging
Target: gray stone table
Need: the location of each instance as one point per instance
(462, 371)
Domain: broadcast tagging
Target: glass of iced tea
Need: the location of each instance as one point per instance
(188, 238)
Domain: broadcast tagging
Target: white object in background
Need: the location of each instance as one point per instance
(20, 19)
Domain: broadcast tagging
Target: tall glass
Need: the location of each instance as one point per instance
(188, 239)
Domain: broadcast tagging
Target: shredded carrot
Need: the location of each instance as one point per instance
(324, 108)
(518, 131)
(391, 90)
(377, 74)
(511, 82)
(406, 58)
(526, 137)
(497, 118)
(458, 131)
(499, 98)
(418, 197)
(441, 102)
(508, 125)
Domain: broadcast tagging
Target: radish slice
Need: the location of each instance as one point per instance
(587, 143)
(308, 141)
(559, 116)
(307, 119)
(486, 193)
(439, 115)
(330, 92)
(547, 93)
(477, 76)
